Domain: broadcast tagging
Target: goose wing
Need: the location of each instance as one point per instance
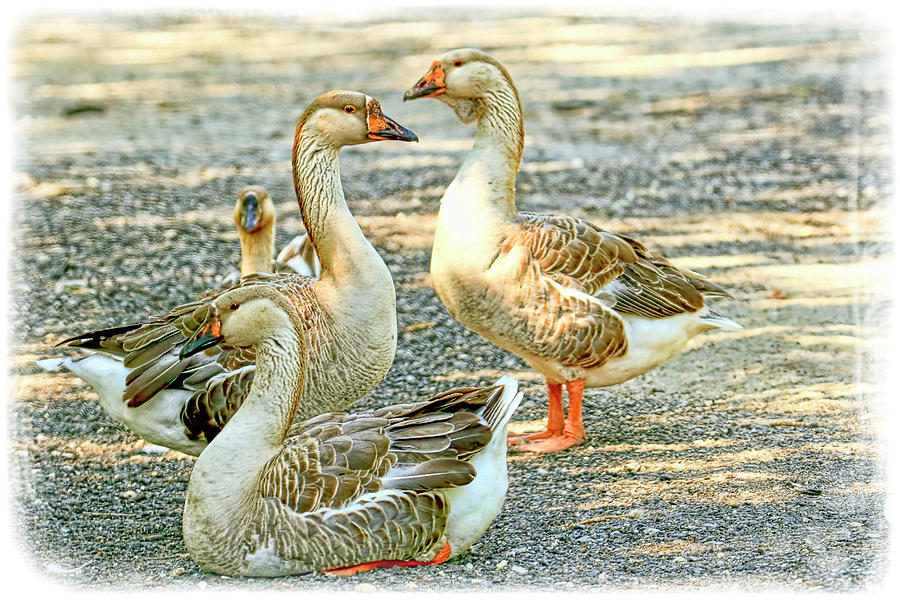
(334, 458)
(549, 276)
(323, 493)
(366, 486)
(151, 349)
(653, 287)
(567, 283)
(218, 394)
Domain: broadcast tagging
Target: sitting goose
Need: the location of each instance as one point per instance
(349, 312)
(405, 485)
(254, 217)
(582, 306)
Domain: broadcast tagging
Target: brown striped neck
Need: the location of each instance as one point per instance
(485, 184)
(500, 126)
(340, 244)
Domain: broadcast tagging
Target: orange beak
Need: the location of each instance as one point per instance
(381, 127)
(206, 337)
(431, 85)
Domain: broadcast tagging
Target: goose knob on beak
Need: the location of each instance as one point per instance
(382, 127)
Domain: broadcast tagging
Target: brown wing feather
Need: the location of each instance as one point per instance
(548, 274)
(553, 270)
(320, 483)
(151, 349)
(332, 459)
(655, 288)
(219, 396)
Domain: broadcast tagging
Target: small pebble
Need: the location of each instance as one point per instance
(202, 585)
(364, 587)
(410, 585)
(176, 572)
(502, 564)
(128, 493)
(519, 570)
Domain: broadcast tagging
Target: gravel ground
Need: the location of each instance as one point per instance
(755, 152)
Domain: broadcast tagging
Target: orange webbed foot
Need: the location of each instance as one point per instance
(538, 435)
(570, 437)
(348, 571)
(439, 558)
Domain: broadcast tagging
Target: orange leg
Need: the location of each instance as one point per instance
(573, 432)
(439, 558)
(555, 419)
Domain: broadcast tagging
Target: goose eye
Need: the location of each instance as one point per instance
(349, 109)
(233, 306)
(457, 63)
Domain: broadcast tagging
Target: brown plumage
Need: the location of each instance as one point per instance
(583, 306)
(273, 496)
(348, 313)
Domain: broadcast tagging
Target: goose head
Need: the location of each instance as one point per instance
(463, 79)
(244, 317)
(254, 211)
(341, 118)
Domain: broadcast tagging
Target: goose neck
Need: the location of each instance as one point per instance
(277, 386)
(499, 127)
(493, 162)
(257, 250)
(259, 427)
(340, 244)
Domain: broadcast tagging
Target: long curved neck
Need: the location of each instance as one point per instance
(277, 386)
(339, 242)
(499, 141)
(485, 184)
(257, 250)
(481, 200)
(256, 431)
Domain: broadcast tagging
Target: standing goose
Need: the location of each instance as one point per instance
(582, 306)
(349, 312)
(272, 495)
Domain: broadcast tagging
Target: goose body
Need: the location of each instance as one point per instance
(159, 420)
(583, 306)
(404, 485)
(351, 343)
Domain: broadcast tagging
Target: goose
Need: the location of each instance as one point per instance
(254, 217)
(349, 311)
(404, 485)
(582, 306)
(169, 416)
